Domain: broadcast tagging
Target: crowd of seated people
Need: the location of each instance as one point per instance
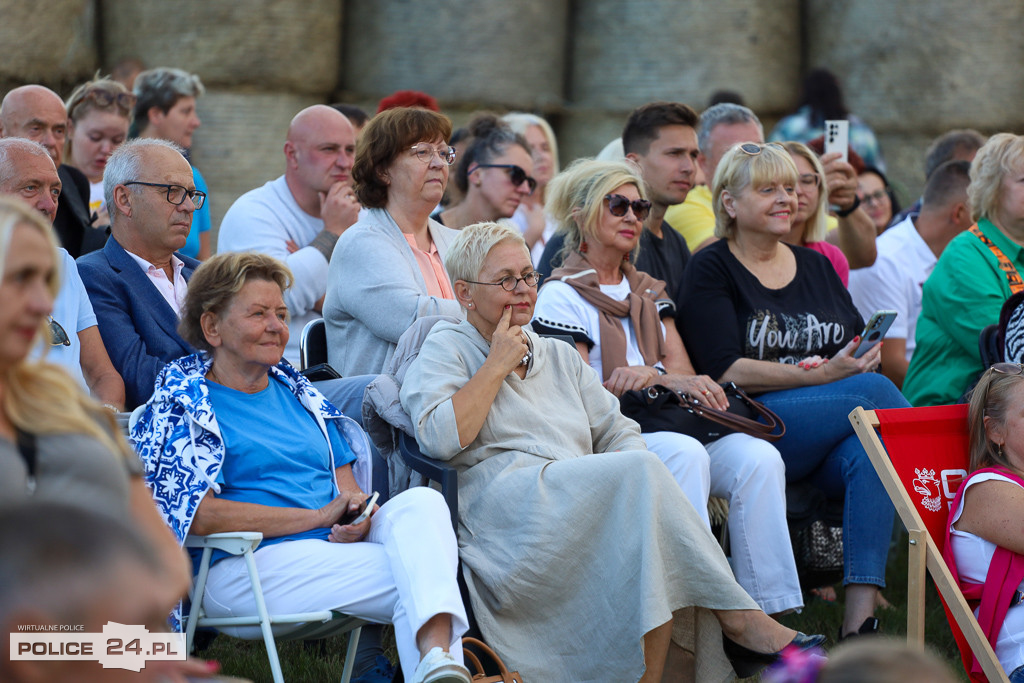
(355, 230)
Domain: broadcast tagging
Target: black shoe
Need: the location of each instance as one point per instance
(868, 628)
(746, 662)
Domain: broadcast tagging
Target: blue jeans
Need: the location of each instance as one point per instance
(821, 446)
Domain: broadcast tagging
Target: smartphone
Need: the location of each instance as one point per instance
(359, 516)
(320, 373)
(837, 138)
(874, 331)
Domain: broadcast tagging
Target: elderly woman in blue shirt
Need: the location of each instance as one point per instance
(234, 439)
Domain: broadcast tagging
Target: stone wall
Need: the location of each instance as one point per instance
(911, 70)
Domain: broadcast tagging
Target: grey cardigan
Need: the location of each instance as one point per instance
(375, 292)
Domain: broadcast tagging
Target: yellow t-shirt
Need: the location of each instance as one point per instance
(694, 219)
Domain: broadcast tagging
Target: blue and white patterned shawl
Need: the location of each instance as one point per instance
(181, 447)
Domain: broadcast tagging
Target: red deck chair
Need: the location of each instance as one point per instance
(922, 464)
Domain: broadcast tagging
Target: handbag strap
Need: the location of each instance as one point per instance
(740, 423)
(1012, 276)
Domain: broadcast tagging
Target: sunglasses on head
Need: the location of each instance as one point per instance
(515, 173)
(753, 148)
(618, 205)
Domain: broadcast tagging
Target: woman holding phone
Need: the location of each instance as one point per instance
(775, 319)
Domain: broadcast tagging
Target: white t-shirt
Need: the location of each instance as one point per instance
(518, 219)
(95, 196)
(973, 555)
(72, 310)
(559, 306)
(895, 280)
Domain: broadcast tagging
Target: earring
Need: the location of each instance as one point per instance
(469, 305)
(1000, 446)
(625, 257)
(583, 247)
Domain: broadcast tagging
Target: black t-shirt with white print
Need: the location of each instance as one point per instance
(727, 314)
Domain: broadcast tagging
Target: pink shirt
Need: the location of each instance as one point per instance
(835, 255)
(172, 292)
(434, 274)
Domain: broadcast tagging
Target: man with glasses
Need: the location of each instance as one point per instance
(27, 172)
(298, 217)
(137, 282)
(38, 114)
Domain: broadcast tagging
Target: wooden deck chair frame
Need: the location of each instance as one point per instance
(313, 625)
(924, 555)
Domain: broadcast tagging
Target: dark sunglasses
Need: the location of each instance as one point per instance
(618, 205)
(58, 337)
(1008, 368)
(515, 173)
(753, 148)
(103, 99)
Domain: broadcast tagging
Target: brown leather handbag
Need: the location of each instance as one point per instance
(477, 668)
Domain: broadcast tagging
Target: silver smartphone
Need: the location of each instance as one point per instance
(874, 331)
(367, 510)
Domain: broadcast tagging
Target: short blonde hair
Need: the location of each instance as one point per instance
(739, 170)
(217, 281)
(520, 122)
(40, 397)
(575, 197)
(1001, 155)
(467, 253)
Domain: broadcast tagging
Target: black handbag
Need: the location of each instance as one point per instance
(660, 409)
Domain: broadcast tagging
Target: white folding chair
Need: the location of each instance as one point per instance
(308, 625)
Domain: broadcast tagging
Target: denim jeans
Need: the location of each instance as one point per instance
(821, 446)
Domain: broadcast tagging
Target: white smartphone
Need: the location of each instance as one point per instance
(874, 331)
(837, 138)
(365, 514)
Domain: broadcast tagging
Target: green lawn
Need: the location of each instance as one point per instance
(247, 659)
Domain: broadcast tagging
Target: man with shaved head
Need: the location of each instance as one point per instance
(38, 114)
(299, 216)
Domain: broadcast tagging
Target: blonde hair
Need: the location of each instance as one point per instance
(79, 105)
(816, 226)
(217, 281)
(40, 397)
(575, 197)
(883, 660)
(1001, 155)
(991, 397)
(738, 170)
(467, 253)
(520, 122)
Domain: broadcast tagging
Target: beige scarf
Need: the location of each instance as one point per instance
(641, 306)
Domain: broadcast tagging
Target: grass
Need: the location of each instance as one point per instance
(248, 659)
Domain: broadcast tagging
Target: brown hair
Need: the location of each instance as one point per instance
(990, 398)
(216, 282)
(387, 135)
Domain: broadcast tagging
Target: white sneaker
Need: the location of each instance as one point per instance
(439, 666)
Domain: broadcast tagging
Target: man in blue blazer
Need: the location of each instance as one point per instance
(137, 282)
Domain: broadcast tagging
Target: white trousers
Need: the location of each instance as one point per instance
(749, 473)
(404, 573)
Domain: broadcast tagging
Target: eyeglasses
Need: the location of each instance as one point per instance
(515, 173)
(176, 193)
(810, 180)
(425, 153)
(103, 98)
(510, 283)
(58, 337)
(618, 205)
(876, 196)
(754, 148)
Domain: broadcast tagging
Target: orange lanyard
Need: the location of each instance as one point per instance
(1012, 276)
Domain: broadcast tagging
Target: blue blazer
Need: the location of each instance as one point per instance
(139, 328)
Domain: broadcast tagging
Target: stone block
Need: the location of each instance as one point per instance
(263, 44)
(240, 144)
(584, 133)
(927, 65)
(49, 42)
(463, 52)
(625, 53)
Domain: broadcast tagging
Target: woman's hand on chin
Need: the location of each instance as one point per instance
(843, 364)
(630, 377)
(508, 344)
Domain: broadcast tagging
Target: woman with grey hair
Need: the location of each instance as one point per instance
(577, 545)
(165, 107)
(976, 273)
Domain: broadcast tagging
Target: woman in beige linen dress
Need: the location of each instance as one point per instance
(574, 564)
